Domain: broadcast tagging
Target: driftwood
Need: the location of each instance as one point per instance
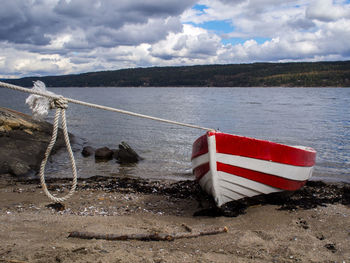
(147, 237)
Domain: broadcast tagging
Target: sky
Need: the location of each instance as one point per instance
(57, 37)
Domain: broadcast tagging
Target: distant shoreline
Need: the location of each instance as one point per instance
(296, 74)
(194, 87)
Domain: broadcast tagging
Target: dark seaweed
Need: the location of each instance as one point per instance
(312, 195)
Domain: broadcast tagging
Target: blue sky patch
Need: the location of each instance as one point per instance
(237, 40)
(200, 7)
(218, 26)
(221, 27)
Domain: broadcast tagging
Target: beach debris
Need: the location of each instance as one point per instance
(303, 223)
(149, 236)
(320, 236)
(311, 196)
(188, 228)
(56, 206)
(331, 247)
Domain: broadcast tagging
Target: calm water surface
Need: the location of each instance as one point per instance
(315, 117)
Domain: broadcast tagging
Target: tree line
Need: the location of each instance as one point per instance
(298, 74)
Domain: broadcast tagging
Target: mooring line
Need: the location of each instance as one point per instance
(96, 106)
(61, 104)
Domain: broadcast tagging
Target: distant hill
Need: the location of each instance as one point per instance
(300, 74)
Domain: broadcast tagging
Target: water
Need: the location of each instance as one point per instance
(315, 117)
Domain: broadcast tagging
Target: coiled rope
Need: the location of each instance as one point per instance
(61, 104)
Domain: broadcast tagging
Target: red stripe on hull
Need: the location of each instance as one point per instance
(201, 170)
(264, 150)
(268, 179)
(200, 146)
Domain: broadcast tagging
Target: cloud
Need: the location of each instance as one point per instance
(23, 22)
(291, 30)
(327, 10)
(105, 22)
(193, 44)
(53, 37)
(14, 62)
(76, 30)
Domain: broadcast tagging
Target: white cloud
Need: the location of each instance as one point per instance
(192, 46)
(290, 30)
(53, 37)
(15, 62)
(326, 10)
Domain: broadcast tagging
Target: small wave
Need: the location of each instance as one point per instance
(253, 102)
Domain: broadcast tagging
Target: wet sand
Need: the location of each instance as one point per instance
(313, 225)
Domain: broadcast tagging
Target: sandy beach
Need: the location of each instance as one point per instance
(32, 229)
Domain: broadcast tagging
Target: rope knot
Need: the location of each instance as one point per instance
(59, 102)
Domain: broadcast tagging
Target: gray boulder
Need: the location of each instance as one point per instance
(23, 142)
(87, 151)
(104, 153)
(125, 154)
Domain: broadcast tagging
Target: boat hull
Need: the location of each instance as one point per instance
(231, 167)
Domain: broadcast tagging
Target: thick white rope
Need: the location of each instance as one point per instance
(61, 103)
(15, 87)
(61, 106)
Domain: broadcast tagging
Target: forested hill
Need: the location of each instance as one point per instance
(308, 74)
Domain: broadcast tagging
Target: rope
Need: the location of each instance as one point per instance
(61, 104)
(96, 106)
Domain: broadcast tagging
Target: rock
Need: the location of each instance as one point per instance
(19, 168)
(125, 154)
(331, 247)
(23, 142)
(346, 195)
(103, 153)
(87, 151)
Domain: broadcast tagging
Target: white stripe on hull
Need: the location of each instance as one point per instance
(231, 187)
(227, 195)
(202, 159)
(246, 187)
(226, 187)
(292, 172)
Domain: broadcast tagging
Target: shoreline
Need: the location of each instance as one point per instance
(33, 230)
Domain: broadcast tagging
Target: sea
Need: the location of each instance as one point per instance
(314, 117)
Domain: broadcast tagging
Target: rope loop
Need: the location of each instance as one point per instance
(60, 103)
(59, 112)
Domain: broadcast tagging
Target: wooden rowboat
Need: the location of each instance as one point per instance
(231, 167)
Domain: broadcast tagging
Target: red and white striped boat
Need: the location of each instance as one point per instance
(231, 167)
